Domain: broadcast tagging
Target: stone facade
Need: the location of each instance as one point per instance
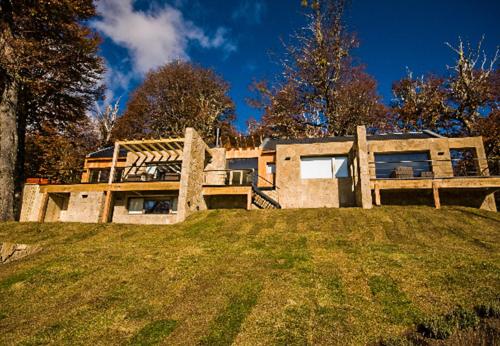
(203, 178)
(295, 192)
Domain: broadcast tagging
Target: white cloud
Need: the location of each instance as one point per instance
(156, 36)
(251, 11)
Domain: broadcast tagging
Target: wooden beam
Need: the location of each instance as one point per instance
(377, 195)
(107, 207)
(249, 200)
(226, 190)
(435, 193)
(130, 186)
(146, 141)
(43, 207)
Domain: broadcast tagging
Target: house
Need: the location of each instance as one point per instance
(163, 181)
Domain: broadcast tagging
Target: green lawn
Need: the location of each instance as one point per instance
(314, 276)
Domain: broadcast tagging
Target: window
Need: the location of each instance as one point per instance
(152, 205)
(464, 162)
(271, 168)
(414, 163)
(324, 167)
(251, 163)
(135, 205)
(99, 175)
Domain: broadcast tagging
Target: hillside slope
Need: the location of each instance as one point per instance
(322, 276)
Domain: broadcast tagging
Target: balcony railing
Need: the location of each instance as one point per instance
(151, 173)
(229, 177)
(428, 169)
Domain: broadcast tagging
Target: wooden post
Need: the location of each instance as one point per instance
(377, 195)
(43, 207)
(249, 200)
(116, 152)
(435, 192)
(107, 207)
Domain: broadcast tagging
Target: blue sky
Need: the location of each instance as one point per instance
(241, 39)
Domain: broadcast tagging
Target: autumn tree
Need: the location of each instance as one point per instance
(59, 154)
(49, 71)
(176, 96)
(322, 91)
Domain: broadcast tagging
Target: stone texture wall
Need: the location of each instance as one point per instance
(32, 198)
(362, 185)
(215, 174)
(295, 192)
(84, 209)
(192, 175)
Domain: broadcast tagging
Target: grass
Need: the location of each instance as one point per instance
(285, 277)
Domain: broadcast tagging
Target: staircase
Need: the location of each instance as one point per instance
(263, 200)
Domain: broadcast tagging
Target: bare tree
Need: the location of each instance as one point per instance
(470, 84)
(455, 105)
(105, 121)
(321, 92)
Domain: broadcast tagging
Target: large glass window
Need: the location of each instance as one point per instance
(324, 167)
(402, 164)
(152, 205)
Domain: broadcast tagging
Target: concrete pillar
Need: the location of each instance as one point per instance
(363, 192)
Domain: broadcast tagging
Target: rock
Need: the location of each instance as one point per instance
(11, 252)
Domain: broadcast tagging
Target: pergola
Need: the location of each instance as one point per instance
(158, 150)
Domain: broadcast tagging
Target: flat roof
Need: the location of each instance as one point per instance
(270, 144)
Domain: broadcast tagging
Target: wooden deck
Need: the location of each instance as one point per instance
(490, 184)
(422, 183)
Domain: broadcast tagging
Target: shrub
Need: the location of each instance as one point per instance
(488, 310)
(436, 327)
(463, 318)
(441, 327)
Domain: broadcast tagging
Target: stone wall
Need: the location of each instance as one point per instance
(31, 204)
(295, 192)
(362, 185)
(215, 174)
(192, 175)
(84, 207)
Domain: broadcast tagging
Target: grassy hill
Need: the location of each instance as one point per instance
(322, 276)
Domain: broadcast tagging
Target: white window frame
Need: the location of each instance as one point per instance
(324, 167)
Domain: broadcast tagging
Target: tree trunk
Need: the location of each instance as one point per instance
(8, 149)
(19, 176)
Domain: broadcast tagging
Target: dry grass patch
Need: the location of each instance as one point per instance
(314, 276)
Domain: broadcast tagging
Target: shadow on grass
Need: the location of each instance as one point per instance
(227, 324)
(154, 332)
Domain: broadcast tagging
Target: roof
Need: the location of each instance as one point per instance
(106, 152)
(270, 144)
